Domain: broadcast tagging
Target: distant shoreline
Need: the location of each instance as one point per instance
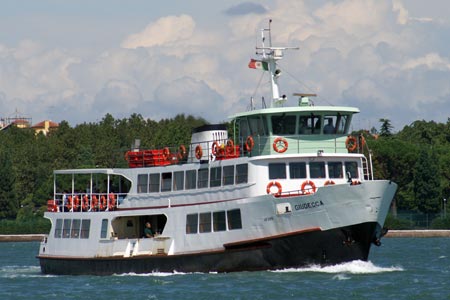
(390, 234)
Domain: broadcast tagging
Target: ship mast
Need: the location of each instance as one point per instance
(270, 55)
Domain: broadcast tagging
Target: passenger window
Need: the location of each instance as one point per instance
(352, 168)
(58, 228)
(219, 221)
(202, 178)
(191, 223)
(85, 227)
(75, 232)
(277, 171)
(178, 180)
(154, 183)
(104, 229)
(317, 169)
(66, 228)
(241, 173)
(228, 175)
(191, 179)
(205, 222)
(234, 219)
(142, 183)
(215, 177)
(166, 182)
(335, 170)
(297, 170)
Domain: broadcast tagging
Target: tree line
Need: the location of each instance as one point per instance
(417, 158)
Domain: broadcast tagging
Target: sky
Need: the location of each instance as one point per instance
(80, 60)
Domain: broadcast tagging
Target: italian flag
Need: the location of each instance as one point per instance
(257, 64)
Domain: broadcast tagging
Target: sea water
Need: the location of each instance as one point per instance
(402, 268)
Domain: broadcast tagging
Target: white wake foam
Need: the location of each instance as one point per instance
(353, 267)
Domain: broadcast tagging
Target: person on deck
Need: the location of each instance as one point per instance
(148, 232)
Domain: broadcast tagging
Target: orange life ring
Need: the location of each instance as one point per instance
(271, 184)
(230, 147)
(69, 203)
(351, 143)
(328, 182)
(215, 149)
(103, 202)
(112, 201)
(94, 205)
(280, 145)
(181, 152)
(198, 152)
(166, 153)
(84, 203)
(311, 184)
(249, 143)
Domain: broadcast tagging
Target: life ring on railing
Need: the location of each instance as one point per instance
(198, 152)
(328, 182)
(351, 143)
(249, 143)
(215, 149)
(271, 184)
(308, 191)
(85, 203)
(94, 205)
(230, 147)
(181, 152)
(166, 153)
(280, 145)
(112, 201)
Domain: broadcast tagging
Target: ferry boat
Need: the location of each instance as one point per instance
(286, 187)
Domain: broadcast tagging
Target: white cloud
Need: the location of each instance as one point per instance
(162, 32)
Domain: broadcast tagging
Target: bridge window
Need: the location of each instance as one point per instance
(310, 125)
(258, 126)
(283, 124)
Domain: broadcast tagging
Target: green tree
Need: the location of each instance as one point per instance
(427, 183)
(8, 205)
(386, 127)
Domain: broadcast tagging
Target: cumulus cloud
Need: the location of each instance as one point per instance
(164, 31)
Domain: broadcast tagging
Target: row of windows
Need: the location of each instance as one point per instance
(316, 170)
(215, 221)
(192, 179)
(72, 228)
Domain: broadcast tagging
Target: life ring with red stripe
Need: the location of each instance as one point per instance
(310, 190)
(277, 185)
(215, 149)
(280, 145)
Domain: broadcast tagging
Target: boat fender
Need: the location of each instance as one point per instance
(249, 143)
(310, 190)
(198, 152)
(280, 145)
(271, 184)
(351, 143)
(328, 182)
